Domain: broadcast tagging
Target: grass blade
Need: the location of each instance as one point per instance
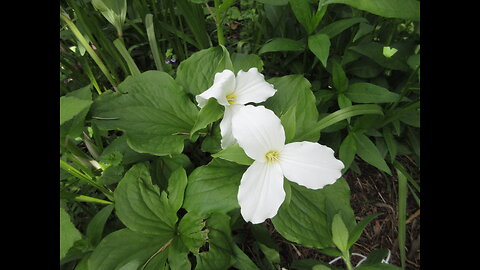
(134, 71)
(153, 42)
(402, 214)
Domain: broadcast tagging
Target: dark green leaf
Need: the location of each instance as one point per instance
(235, 154)
(176, 188)
(367, 151)
(68, 233)
(363, 92)
(96, 225)
(282, 45)
(358, 229)
(347, 151)
(337, 27)
(319, 44)
(244, 62)
(211, 112)
(402, 9)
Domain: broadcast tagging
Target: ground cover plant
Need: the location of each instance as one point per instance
(272, 134)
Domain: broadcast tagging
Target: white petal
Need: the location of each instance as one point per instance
(261, 193)
(223, 84)
(310, 164)
(252, 87)
(258, 131)
(226, 126)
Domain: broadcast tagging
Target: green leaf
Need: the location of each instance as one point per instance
(340, 80)
(274, 2)
(235, 154)
(74, 126)
(340, 233)
(119, 147)
(176, 188)
(378, 266)
(358, 229)
(390, 142)
(126, 249)
(140, 206)
(306, 220)
(376, 257)
(220, 254)
(288, 120)
(190, 231)
(374, 51)
(402, 9)
(388, 51)
(302, 11)
(244, 62)
(363, 92)
(214, 187)
(347, 113)
(114, 11)
(68, 233)
(71, 106)
(348, 149)
(196, 73)
(319, 44)
(337, 27)
(367, 151)
(96, 225)
(152, 110)
(321, 267)
(243, 261)
(267, 245)
(344, 102)
(282, 45)
(211, 112)
(402, 214)
(294, 90)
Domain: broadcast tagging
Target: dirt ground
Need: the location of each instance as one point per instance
(373, 192)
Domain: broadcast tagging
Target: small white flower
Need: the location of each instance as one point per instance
(233, 93)
(261, 135)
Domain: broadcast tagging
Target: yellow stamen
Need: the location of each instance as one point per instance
(272, 156)
(231, 98)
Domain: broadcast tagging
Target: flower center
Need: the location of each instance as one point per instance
(272, 156)
(231, 98)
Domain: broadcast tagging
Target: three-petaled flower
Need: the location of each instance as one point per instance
(261, 135)
(233, 93)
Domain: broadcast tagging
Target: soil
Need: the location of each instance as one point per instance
(373, 192)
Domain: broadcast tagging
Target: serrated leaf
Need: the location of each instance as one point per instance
(152, 110)
(190, 230)
(140, 206)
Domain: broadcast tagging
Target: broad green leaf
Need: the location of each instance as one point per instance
(211, 112)
(308, 264)
(411, 118)
(214, 187)
(344, 102)
(114, 11)
(358, 229)
(282, 45)
(74, 119)
(140, 206)
(235, 154)
(303, 13)
(220, 254)
(71, 107)
(378, 266)
(363, 29)
(321, 267)
(288, 120)
(211, 143)
(339, 233)
(363, 92)
(244, 62)
(388, 51)
(367, 151)
(176, 188)
(119, 147)
(319, 44)
(337, 27)
(294, 90)
(177, 256)
(348, 149)
(126, 249)
(68, 233)
(152, 110)
(306, 219)
(376, 257)
(191, 233)
(96, 225)
(402, 9)
(196, 73)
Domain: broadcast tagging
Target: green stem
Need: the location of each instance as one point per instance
(220, 37)
(87, 47)
(346, 259)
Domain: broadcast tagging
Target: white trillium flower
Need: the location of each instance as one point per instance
(261, 135)
(233, 93)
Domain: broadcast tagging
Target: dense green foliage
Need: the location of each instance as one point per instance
(144, 182)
